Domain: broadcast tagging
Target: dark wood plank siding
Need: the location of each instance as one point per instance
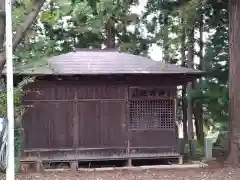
(36, 125)
(113, 126)
(98, 111)
(101, 109)
(153, 138)
(49, 125)
(50, 91)
(100, 92)
(89, 123)
(51, 107)
(92, 118)
(61, 125)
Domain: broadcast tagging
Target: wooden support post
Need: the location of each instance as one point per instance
(32, 166)
(180, 160)
(129, 162)
(39, 166)
(74, 166)
(24, 167)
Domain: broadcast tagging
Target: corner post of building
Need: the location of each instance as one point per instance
(128, 132)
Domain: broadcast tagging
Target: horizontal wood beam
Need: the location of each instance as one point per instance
(151, 129)
(123, 156)
(78, 100)
(93, 149)
(73, 149)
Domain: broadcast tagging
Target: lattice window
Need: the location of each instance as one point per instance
(152, 114)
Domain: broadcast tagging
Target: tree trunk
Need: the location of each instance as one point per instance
(165, 40)
(198, 114)
(198, 110)
(184, 113)
(110, 34)
(184, 104)
(190, 56)
(234, 86)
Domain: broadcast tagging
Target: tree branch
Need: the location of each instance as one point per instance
(20, 33)
(36, 7)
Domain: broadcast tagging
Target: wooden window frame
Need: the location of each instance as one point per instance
(148, 112)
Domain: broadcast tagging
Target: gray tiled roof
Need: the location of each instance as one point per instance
(106, 62)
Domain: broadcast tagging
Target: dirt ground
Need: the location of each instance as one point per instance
(194, 174)
(214, 171)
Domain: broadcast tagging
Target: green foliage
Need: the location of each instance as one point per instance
(91, 3)
(19, 108)
(215, 88)
(182, 15)
(85, 27)
(17, 141)
(63, 26)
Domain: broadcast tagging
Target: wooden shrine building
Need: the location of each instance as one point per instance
(100, 105)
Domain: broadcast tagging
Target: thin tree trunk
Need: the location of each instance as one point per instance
(184, 113)
(184, 104)
(234, 85)
(166, 40)
(189, 89)
(198, 110)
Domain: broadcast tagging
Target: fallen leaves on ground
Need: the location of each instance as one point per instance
(189, 174)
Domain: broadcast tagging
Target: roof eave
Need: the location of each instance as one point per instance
(197, 74)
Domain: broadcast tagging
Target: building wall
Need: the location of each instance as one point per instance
(99, 118)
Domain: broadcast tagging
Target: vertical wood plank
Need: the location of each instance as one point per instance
(102, 127)
(75, 121)
(49, 125)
